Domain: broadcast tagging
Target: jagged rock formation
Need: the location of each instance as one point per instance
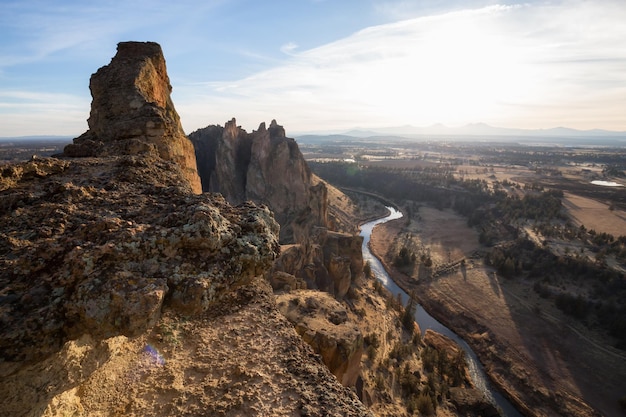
(132, 111)
(123, 293)
(330, 262)
(263, 166)
(323, 323)
(267, 167)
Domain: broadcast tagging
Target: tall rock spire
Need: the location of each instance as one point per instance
(132, 111)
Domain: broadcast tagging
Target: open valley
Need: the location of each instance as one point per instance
(545, 356)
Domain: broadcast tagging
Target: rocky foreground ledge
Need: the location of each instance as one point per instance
(124, 293)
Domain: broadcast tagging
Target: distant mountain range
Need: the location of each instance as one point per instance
(482, 129)
(473, 130)
(476, 132)
(38, 138)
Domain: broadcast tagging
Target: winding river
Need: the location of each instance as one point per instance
(426, 321)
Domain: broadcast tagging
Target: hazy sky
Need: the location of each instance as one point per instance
(325, 64)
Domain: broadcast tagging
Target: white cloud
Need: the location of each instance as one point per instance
(525, 66)
(533, 65)
(30, 113)
(288, 48)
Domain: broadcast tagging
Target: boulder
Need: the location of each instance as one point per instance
(280, 280)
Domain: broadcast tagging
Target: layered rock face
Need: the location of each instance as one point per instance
(263, 166)
(132, 111)
(323, 323)
(123, 293)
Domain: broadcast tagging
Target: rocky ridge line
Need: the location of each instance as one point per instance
(118, 285)
(263, 166)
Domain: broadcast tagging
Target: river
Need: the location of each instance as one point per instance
(426, 321)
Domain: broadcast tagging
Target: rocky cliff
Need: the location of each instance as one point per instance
(263, 166)
(329, 261)
(132, 111)
(267, 167)
(123, 293)
(323, 323)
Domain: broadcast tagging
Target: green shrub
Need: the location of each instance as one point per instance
(367, 270)
(575, 306)
(425, 404)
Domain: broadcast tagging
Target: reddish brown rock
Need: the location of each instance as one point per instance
(132, 111)
(263, 166)
(323, 323)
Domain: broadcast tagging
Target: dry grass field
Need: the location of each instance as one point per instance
(595, 214)
(510, 326)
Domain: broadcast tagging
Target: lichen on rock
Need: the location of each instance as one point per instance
(99, 246)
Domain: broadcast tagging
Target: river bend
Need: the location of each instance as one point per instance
(426, 321)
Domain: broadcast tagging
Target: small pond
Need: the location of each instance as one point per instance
(607, 183)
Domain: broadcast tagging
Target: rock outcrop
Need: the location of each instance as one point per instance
(123, 293)
(109, 240)
(329, 261)
(472, 402)
(267, 167)
(323, 323)
(132, 111)
(264, 166)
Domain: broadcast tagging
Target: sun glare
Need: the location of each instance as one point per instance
(456, 71)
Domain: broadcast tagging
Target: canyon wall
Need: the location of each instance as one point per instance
(263, 166)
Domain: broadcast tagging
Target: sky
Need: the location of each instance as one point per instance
(326, 65)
